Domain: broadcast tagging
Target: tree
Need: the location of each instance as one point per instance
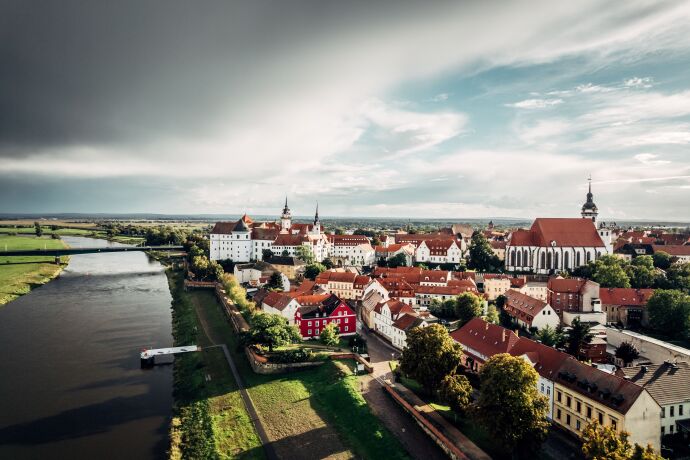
(328, 263)
(276, 281)
(645, 453)
(627, 352)
(443, 309)
(641, 272)
(38, 229)
(272, 331)
(305, 253)
(266, 254)
(492, 315)
(509, 405)
(482, 257)
(549, 336)
(604, 443)
(398, 260)
(467, 306)
(430, 355)
(608, 272)
(205, 269)
(339, 231)
(662, 260)
(285, 253)
(456, 391)
(578, 335)
(313, 270)
(330, 335)
(669, 312)
(678, 276)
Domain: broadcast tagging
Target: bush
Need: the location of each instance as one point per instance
(292, 356)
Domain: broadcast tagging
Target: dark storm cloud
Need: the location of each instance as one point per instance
(119, 72)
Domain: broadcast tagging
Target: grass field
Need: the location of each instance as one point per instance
(19, 274)
(318, 412)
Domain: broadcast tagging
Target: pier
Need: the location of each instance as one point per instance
(148, 357)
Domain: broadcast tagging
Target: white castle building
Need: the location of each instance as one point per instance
(556, 244)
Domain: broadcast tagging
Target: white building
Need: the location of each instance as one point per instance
(530, 312)
(402, 326)
(281, 304)
(386, 313)
(441, 251)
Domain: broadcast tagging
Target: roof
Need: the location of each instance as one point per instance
(673, 249)
(438, 247)
(574, 232)
(486, 338)
(287, 239)
(391, 248)
(348, 240)
(259, 233)
(395, 306)
(324, 308)
(223, 228)
(311, 299)
(668, 383)
(338, 277)
(241, 226)
(495, 244)
(625, 296)
(277, 300)
(444, 290)
(546, 360)
(607, 389)
(568, 285)
(523, 306)
(407, 321)
(370, 301)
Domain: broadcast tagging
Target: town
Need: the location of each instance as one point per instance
(579, 303)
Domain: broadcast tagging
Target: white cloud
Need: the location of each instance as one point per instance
(535, 103)
(649, 159)
(637, 82)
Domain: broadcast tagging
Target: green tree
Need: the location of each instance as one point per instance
(645, 453)
(443, 309)
(509, 405)
(492, 315)
(330, 335)
(328, 263)
(604, 443)
(285, 253)
(641, 272)
(266, 254)
(430, 355)
(38, 229)
(482, 256)
(627, 352)
(339, 231)
(678, 276)
(276, 281)
(662, 260)
(608, 272)
(467, 306)
(312, 271)
(669, 312)
(205, 269)
(456, 391)
(549, 336)
(398, 260)
(578, 335)
(305, 253)
(271, 331)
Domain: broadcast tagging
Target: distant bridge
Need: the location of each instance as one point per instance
(73, 251)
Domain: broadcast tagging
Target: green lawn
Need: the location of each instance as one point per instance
(210, 419)
(299, 407)
(46, 231)
(19, 274)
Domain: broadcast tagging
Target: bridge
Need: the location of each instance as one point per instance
(57, 253)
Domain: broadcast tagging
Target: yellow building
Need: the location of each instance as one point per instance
(495, 285)
(583, 394)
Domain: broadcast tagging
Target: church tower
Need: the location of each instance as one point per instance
(589, 209)
(316, 229)
(286, 218)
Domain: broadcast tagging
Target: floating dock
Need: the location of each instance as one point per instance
(148, 357)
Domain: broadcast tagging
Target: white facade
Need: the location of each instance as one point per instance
(288, 312)
(430, 251)
(535, 289)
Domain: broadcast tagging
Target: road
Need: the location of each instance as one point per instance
(410, 435)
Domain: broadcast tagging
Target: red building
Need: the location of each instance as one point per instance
(313, 318)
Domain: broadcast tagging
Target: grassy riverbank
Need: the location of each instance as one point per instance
(18, 275)
(210, 420)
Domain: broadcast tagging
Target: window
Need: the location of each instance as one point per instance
(614, 423)
(589, 412)
(663, 412)
(316, 332)
(567, 419)
(558, 396)
(578, 404)
(601, 418)
(542, 387)
(346, 328)
(309, 324)
(577, 425)
(670, 429)
(671, 412)
(567, 401)
(558, 414)
(663, 429)
(680, 409)
(309, 332)
(548, 391)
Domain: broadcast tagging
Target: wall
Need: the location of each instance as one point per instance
(654, 350)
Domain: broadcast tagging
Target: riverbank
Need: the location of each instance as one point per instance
(209, 417)
(18, 275)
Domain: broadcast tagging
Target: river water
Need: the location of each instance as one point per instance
(71, 385)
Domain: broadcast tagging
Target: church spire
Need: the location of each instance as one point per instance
(589, 209)
(316, 216)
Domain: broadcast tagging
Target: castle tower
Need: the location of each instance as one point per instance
(589, 209)
(286, 218)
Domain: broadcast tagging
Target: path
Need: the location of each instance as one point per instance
(410, 435)
(248, 404)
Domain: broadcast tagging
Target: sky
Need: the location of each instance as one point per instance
(382, 109)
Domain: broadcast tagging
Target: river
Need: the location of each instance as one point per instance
(71, 385)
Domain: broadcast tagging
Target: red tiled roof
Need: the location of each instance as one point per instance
(567, 285)
(497, 244)
(312, 299)
(390, 248)
(625, 296)
(286, 239)
(522, 306)
(673, 249)
(546, 360)
(259, 233)
(348, 240)
(486, 338)
(407, 321)
(223, 228)
(338, 277)
(564, 231)
(277, 300)
(361, 281)
(467, 284)
(444, 290)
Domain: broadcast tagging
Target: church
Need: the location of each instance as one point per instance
(247, 240)
(555, 244)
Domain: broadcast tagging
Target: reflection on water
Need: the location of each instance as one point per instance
(70, 381)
